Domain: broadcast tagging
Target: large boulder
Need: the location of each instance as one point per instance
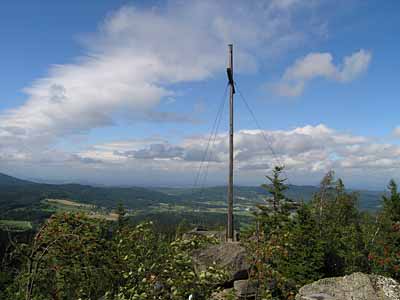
(201, 231)
(357, 286)
(245, 289)
(230, 256)
(242, 290)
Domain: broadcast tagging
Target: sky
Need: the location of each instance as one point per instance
(126, 92)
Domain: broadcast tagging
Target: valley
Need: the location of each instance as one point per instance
(25, 204)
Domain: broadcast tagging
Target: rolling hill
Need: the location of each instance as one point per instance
(20, 199)
(23, 200)
(6, 180)
(368, 200)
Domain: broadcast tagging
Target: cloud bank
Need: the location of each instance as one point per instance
(311, 150)
(320, 65)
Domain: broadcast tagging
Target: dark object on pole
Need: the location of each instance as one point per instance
(230, 229)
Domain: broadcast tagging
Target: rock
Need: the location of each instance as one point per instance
(222, 295)
(245, 289)
(357, 286)
(230, 256)
(387, 288)
(219, 235)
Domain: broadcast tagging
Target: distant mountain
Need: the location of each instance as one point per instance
(22, 199)
(7, 180)
(368, 200)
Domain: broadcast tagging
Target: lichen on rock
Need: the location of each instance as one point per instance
(357, 286)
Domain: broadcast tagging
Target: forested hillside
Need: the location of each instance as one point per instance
(22, 200)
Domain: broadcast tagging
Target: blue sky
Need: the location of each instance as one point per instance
(125, 92)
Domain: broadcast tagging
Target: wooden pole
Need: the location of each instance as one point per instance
(230, 229)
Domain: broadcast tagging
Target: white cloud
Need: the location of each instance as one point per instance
(316, 65)
(396, 131)
(288, 89)
(134, 59)
(311, 66)
(311, 150)
(354, 65)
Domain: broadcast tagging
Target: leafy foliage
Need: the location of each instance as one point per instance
(153, 269)
(321, 239)
(76, 257)
(384, 254)
(275, 213)
(68, 259)
(339, 224)
(275, 239)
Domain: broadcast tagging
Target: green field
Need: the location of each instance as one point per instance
(13, 225)
(61, 205)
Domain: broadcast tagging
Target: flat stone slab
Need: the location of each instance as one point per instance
(245, 289)
(319, 296)
(357, 286)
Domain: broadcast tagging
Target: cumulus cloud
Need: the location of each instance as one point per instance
(136, 57)
(311, 150)
(155, 151)
(316, 65)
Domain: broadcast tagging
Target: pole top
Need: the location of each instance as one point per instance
(229, 69)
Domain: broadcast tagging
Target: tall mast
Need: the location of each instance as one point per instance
(230, 229)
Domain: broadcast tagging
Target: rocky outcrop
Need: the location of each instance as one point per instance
(201, 231)
(230, 256)
(242, 290)
(357, 286)
(245, 289)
